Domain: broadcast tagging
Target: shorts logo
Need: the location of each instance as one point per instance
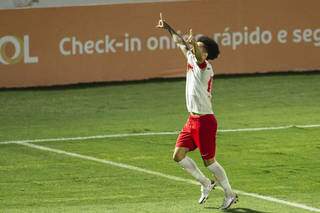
(205, 155)
(20, 48)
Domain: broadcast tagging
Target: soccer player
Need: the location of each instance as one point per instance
(201, 127)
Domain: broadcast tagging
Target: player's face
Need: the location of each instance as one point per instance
(203, 50)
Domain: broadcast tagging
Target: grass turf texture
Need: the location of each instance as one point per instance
(277, 163)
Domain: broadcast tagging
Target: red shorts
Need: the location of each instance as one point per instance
(199, 132)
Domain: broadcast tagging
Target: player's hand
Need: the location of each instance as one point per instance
(190, 38)
(162, 24)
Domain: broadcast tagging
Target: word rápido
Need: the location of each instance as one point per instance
(21, 50)
(245, 37)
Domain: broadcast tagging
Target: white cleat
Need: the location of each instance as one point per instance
(228, 201)
(205, 192)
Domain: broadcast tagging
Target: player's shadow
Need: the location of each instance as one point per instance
(243, 210)
(238, 210)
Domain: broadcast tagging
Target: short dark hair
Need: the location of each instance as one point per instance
(211, 46)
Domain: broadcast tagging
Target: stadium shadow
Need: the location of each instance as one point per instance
(238, 210)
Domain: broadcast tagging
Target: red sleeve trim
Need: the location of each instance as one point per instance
(203, 65)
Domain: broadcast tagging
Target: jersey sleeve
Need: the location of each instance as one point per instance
(190, 57)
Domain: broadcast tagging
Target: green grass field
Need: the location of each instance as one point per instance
(282, 163)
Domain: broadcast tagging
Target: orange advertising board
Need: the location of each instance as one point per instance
(68, 45)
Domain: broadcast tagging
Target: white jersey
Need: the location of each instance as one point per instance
(198, 86)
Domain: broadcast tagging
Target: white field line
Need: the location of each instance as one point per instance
(152, 133)
(171, 177)
(90, 137)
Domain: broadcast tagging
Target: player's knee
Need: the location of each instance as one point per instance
(208, 162)
(178, 156)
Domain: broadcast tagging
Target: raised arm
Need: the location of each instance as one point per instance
(181, 43)
(195, 47)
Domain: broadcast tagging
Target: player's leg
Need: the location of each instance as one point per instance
(185, 144)
(222, 179)
(206, 140)
(191, 167)
(209, 185)
(220, 175)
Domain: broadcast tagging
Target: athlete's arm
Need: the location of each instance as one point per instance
(181, 43)
(195, 48)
